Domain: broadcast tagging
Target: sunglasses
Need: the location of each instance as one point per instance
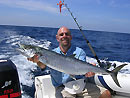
(66, 34)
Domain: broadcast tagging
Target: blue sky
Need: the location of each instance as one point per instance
(100, 15)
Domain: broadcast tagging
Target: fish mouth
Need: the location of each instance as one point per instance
(28, 52)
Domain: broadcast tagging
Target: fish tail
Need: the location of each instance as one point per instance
(114, 73)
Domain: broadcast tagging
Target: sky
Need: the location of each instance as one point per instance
(99, 15)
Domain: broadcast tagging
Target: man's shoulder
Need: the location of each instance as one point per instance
(56, 50)
(78, 49)
(80, 54)
(74, 50)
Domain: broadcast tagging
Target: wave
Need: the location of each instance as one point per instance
(26, 69)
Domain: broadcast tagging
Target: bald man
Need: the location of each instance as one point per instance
(65, 48)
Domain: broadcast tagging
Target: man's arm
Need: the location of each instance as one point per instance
(35, 59)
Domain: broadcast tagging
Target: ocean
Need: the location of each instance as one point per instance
(109, 46)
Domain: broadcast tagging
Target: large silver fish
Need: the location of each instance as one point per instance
(69, 65)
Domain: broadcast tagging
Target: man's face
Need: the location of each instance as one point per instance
(64, 37)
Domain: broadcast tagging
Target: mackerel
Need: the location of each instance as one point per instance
(65, 64)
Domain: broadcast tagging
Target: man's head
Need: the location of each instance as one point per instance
(64, 37)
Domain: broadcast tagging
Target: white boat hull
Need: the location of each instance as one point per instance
(107, 82)
(45, 89)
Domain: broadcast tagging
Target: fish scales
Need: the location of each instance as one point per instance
(69, 65)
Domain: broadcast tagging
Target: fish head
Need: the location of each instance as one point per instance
(29, 50)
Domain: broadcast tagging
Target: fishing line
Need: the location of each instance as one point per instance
(88, 43)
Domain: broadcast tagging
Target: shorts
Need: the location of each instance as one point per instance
(90, 91)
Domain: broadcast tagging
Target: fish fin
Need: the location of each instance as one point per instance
(73, 77)
(72, 56)
(114, 73)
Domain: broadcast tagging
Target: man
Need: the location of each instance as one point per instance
(58, 78)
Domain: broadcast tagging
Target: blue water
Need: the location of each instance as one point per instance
(115, 46)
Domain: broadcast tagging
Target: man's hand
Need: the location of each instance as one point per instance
(34, 59)
(89, 74)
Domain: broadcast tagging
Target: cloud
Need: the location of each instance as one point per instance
(114, 3)
(30, 5)
(119, 3)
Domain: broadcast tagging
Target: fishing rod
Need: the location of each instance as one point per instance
(80, 28)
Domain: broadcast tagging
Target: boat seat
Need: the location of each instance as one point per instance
(44, 87)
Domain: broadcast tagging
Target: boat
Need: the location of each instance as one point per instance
(45, 89)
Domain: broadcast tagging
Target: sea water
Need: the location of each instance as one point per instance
(111, 46)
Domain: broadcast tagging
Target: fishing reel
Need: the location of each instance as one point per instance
(106, 64)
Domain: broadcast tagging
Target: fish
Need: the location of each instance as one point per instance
(66, 64)
(60, 4)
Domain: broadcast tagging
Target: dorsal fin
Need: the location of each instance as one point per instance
(72, 56)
